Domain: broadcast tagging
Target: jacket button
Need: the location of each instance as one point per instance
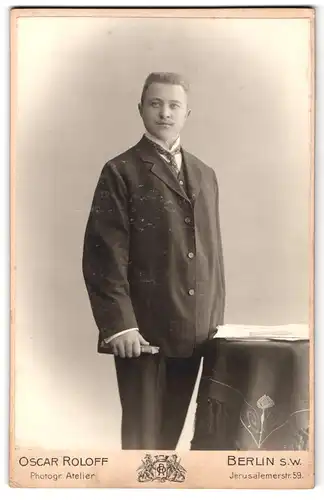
(190, 255)
(187, 220)
(181, 183)
(191, 291)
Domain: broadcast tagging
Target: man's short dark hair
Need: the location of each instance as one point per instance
(171, 78)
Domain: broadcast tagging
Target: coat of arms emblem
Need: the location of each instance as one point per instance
(161, 468)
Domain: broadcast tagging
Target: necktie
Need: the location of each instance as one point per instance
(169, 155)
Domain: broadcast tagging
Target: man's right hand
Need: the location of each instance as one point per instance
(128, 345)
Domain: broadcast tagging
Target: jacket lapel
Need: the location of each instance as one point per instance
(158, 167)
(161, 170)
(193, 174)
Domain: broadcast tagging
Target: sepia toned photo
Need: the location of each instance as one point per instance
(162, 198)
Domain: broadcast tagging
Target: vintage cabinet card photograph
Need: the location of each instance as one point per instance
(162, 231)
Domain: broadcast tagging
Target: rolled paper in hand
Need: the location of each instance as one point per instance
(149, 349)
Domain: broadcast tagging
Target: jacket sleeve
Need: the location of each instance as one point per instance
(106, 254)
(220, 296)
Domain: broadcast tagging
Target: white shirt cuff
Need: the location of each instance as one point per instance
(106, 341)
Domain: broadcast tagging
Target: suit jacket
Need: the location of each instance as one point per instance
(152, 254)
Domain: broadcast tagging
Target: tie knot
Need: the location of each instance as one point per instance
(165, 152)
(170, 154)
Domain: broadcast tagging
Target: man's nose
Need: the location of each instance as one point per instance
(165, 111)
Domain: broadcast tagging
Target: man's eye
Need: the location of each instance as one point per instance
(155, 104)
(174, 105)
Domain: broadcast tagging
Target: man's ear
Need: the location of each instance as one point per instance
(188, 113)
(139, 106)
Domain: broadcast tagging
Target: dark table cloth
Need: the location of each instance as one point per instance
(253, 395)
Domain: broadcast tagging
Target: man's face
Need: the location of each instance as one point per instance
(164, 111)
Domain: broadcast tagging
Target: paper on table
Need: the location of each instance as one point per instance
(291, 332)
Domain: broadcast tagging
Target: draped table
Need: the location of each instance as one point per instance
(253, 395)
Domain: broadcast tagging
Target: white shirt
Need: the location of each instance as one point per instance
(178, 160)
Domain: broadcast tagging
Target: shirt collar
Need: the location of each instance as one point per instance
(161, 143)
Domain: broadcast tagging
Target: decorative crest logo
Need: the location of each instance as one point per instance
(161, 468)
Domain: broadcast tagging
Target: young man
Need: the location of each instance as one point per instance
(153, 267)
